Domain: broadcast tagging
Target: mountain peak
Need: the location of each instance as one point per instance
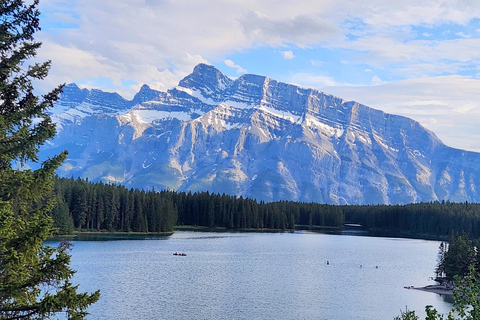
(260, 138)
(145, 94)
(72, 85)
(204, 68)
(72, 93)
(206, 78)
(145, 87)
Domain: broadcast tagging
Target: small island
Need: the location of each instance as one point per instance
(435, 288)
(455, 259)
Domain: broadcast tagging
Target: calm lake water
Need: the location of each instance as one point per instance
(257, 276)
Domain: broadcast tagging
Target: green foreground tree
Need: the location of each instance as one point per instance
(34, 279)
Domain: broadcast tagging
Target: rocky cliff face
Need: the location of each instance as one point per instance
(258, 138)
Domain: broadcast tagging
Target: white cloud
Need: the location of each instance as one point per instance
(143, 39)
(417, 103)
(131, 41)
(377, 81)
(414, 58)
(303, 29)
(463, 35)
(309, 80)
(71, 64)
(466, 108)
(317, 63)
(412, 12)
(287, 54)
(232, 64)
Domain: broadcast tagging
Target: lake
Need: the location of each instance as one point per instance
(299, 275)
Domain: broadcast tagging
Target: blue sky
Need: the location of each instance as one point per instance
(417, 58)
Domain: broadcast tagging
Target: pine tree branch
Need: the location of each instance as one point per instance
(32, 310)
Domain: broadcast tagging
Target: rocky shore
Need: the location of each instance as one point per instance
(439, 289)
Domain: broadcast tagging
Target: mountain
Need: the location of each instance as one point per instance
(259, 138)
(76, 104)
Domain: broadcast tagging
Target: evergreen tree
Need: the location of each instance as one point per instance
(442, 251)
(63, 222)
(34, 279)
(79, 205)
(459, 257)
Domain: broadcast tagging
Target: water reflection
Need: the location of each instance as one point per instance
(257, 276)
(108, 237)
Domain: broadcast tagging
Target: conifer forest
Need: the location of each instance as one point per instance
(82, 206)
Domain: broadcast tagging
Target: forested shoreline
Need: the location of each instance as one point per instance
(82, 205)
(86, 206)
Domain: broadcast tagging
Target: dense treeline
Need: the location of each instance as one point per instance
(439, 219)
(98, 206)
(214, 210)
(456, 257)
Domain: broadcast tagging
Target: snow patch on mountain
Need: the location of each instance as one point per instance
(330, 131)
(199, 95)
(149, 116)
(285, 115)
(240, 104)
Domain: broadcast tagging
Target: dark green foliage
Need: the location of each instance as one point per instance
(442, 251)
(63, 222)
(34, 279)
(432, 314)
(115, 208)
(407, 315)
(460, 255)
(457, 257)
(102, 206)
(99, 206)
(432, 219)
(466, 295)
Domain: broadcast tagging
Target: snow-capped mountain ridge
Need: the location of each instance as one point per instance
(76, 104)
(257, 137)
